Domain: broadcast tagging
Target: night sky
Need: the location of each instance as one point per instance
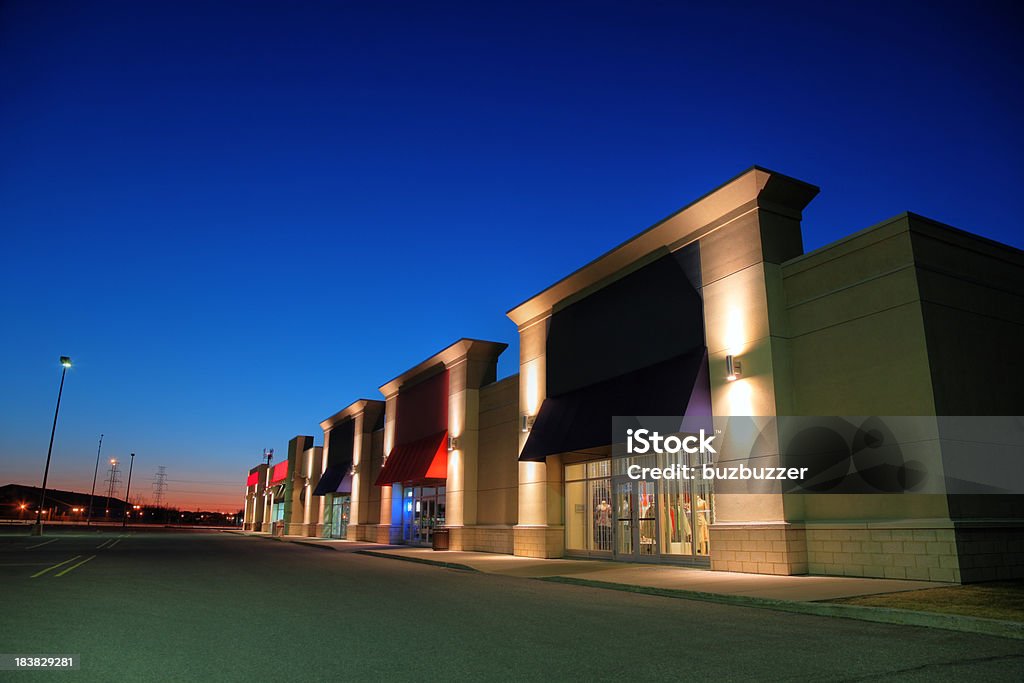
(239, 217)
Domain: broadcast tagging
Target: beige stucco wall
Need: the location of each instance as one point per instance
(498, 477)
(858, 348)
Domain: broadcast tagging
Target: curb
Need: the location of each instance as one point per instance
(312, 544)
(418, 560)
(883, 615)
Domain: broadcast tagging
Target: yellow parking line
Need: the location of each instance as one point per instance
(75, 566)
(103, 544)
(113, 544)
(40, 545)
(59, 564)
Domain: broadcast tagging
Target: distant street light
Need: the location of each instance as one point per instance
(95, 471)
(37, 530)
(128, 492)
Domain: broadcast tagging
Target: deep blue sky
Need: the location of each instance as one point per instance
(238, 217)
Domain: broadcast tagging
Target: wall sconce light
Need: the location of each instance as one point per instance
(527, 422)
(454, 443)
(733, 369)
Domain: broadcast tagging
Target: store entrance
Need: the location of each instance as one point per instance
(612, 515)
(423, 511)
(341, 507)
(636, 521)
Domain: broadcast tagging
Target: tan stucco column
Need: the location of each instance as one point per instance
(389, 528)
(745, 317)
(540, 531)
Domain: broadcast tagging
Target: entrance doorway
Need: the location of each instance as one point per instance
(423, 509)
(341, 508)
(608, 514)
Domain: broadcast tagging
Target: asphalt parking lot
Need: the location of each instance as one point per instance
(141, 605)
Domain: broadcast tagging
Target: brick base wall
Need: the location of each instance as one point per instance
(385, 533)
(538, 541)
(302, 529)
(988, 552)
(484, 539)
(924, 552)
(759, 547)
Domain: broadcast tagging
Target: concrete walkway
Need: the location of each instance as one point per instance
(790, 588)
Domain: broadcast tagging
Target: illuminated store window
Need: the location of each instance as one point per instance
(608, 514)
(589, 513)
(423, 511)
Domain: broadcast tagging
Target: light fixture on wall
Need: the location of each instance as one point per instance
(733, 369)
(453, 443)
(526, 422)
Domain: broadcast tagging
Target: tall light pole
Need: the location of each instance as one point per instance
(128, 492)
(37, 530)
(88, 518)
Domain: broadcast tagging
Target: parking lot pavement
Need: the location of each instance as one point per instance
(161, 606)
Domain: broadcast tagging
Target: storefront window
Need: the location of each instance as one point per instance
(608, 513)
(589, 513)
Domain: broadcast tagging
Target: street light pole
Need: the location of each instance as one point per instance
(124, 522)
(88, 517)
(37, 530)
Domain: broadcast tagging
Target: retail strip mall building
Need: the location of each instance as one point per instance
(909, 317)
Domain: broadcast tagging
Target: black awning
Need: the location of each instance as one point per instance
(582, 419)
(331, 479)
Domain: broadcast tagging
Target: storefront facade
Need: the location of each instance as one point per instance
(279, 496)
(714, 312)
(255, 493)
(609, 515)
(353, 444)
(432, 440)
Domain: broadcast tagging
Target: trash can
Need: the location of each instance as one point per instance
(277, 529)
(440, 539)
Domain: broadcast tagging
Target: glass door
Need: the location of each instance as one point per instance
(425, 515)
(341, 506)
(647, 520)
(423, 510)
(636, 520)
(624, 525)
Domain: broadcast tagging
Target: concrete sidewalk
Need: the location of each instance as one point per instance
(658, 576)
(793, 588)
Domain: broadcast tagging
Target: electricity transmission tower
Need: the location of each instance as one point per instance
(160, 485)
(112, 481)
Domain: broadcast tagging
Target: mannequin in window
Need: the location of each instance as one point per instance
(603, 525)
(703, 539)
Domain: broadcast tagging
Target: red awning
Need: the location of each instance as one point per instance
(415, 461)
(254, 478)
(279, 472)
